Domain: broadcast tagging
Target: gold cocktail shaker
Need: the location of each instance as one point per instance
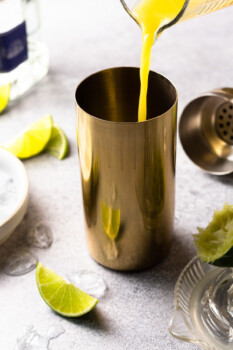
(127, 168)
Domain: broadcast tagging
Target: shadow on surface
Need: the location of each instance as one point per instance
(225, 179)
(16, 242)
(12, 244)
(95, 320)
(166, 272)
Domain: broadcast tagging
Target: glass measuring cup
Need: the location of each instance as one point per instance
(190, 9)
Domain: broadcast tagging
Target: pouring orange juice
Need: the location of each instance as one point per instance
(154, 16)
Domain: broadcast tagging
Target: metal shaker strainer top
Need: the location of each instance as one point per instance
(224, 122)
(206, 131)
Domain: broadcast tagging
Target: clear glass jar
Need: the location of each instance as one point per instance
(190, 9)
(195, 8)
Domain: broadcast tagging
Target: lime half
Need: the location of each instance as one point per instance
(215, 242)
(62, 297)
(33, 140)
(4, 96)
(58, 145)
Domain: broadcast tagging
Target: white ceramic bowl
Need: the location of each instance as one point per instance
(14, 168)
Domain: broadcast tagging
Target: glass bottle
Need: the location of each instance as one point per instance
(23, 60)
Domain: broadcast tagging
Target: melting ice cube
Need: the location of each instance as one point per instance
(20, 263)
(89, 282)
(39, 236)
(32, 340)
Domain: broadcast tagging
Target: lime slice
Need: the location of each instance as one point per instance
(215, 242)
(33, 140)
(62, 297)
(4, 96)
(111, 220)
(58, 145)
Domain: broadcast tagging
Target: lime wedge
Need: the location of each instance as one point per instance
(111, 220)
(215, 242)
(33, 140)
(58, 145)
(4, 96)
(62, 297)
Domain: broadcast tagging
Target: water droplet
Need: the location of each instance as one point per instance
(32, 340)
(39, 236)
(89, 282)
(20, 263)
(55, 331)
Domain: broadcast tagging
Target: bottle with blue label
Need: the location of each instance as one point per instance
(23, 60)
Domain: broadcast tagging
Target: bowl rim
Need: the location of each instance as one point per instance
(19, 167)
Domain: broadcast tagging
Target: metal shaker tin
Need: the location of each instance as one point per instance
(127, 168)
(206, 131)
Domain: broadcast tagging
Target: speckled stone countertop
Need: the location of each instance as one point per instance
(83, 37)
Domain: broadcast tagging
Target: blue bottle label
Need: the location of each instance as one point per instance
(13, 48)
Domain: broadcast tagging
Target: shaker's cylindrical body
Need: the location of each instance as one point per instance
(127, 168)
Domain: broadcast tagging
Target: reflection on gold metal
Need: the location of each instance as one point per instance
(89, 170)
(111, 219)
(129, 209)
(206, 131)
(152, 198)
(174, 132)
(85, 149)
(95, 172)
(110, 250)
(77, 137)
(90, 187)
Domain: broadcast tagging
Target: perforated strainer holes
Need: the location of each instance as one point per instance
(224, 122)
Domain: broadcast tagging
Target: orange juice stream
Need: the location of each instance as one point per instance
(151, 16)
(155, 14)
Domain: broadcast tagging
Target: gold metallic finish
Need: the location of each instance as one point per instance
(206, 131)
(127, 168)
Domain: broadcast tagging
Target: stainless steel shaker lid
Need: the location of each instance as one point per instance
(206, 131)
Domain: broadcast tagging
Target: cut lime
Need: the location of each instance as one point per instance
(111, 220)
(33, 140)
(215, 242)
(4, 96)
(62, 297)
(58, 145)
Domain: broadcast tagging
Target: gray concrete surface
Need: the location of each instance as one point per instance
(83, 37)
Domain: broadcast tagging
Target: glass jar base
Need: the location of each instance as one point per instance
(26, 75)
